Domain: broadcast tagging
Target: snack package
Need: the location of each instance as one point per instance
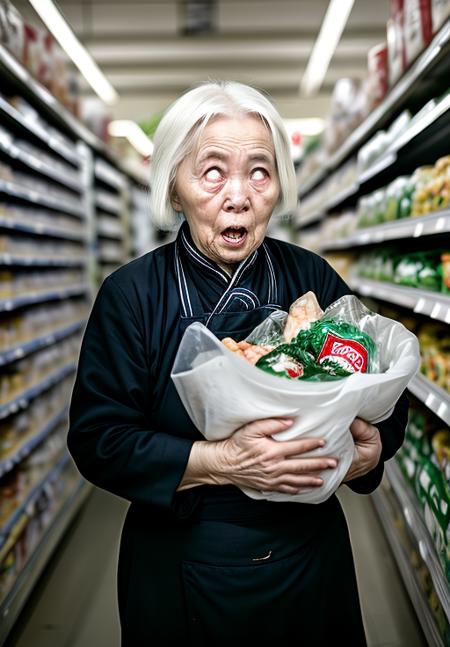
(326, 350)
(205, 369)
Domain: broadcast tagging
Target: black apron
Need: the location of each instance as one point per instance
(227, 569)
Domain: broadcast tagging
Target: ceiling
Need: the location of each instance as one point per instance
(143, 49)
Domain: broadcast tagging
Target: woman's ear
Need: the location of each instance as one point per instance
(175, 201)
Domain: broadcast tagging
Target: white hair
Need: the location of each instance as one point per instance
(182, 124)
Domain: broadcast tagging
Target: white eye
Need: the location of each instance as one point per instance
(213, 174)
(259, 174)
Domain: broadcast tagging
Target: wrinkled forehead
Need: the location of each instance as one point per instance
(229, 126)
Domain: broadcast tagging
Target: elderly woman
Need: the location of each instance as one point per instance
(199, 560)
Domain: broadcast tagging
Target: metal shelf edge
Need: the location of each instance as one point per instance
(417, 598)
(7, 464)
(433, 304)
(410, 227)
(26, 580)
(435, 398)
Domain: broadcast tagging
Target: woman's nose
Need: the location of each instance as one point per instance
(237, 198)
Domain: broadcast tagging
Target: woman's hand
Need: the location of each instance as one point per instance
(251, 458)
(367, 449)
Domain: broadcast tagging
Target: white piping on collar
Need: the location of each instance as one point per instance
(237, 291)
(184, 293)
(234, 279)
(273, 286)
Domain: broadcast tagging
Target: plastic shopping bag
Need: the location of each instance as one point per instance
(222, 392)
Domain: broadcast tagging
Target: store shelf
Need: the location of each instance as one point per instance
(7, 305)
(103, 232)
(28, 261)
(41, 229)
(310, 218)
(397, 98)
(110, 259)
(35, 129)
(28, 504)
(423, 123)
(22, 401)
(27, 578)
(108, 203)
(341, 197)
(418, 599)
(50, 105)
(414, 518)
(16, 152)
(435, 398)
(21, 350)
(108, 175)
(313, 181)
(431, 304)
(8, 463)
(425, 138)
(432, 224)
(376, 168)
(35, 197)
(48, 101)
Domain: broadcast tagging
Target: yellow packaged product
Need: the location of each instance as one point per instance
(435, 351)
(422, 177)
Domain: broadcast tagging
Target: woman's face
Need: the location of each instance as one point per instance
(228, 187)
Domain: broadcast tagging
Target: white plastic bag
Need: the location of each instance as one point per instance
(222, 392)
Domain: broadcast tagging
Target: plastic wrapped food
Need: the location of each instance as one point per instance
(326, 350)
(250, 352)
(302, 313)
(205, 369)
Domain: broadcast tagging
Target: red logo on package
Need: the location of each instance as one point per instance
(295, 371)
(350, 354)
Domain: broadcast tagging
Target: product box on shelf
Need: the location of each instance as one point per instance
(425, 471)
(417, 27)
(396, 41)
(434, 339)
(11, 29)
(377, 65)
(440, 11)
(37, 53)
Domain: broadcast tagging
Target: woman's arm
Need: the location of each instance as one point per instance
(251, 458)
(392, 434)
(111, 436)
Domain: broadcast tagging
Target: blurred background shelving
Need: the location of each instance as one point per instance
(371, 150)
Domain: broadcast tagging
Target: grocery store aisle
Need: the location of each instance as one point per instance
(74, 603)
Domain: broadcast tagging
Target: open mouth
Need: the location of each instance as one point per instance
(234, 236)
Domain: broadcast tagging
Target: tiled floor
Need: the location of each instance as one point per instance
(74, 604)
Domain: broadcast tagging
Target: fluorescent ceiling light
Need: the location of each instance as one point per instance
(75, 50)
(308, 126)
(134, 134)
(330, 32)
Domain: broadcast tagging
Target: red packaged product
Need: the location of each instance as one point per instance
(417, 27)
(377, 63)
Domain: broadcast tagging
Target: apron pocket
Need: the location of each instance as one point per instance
(229, 604)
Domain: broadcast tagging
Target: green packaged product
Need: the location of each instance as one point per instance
(328, 349)
(338, 345)
(290, 361)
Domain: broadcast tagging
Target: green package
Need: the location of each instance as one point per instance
(327, 350)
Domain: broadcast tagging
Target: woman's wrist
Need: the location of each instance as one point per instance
(206, 465)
